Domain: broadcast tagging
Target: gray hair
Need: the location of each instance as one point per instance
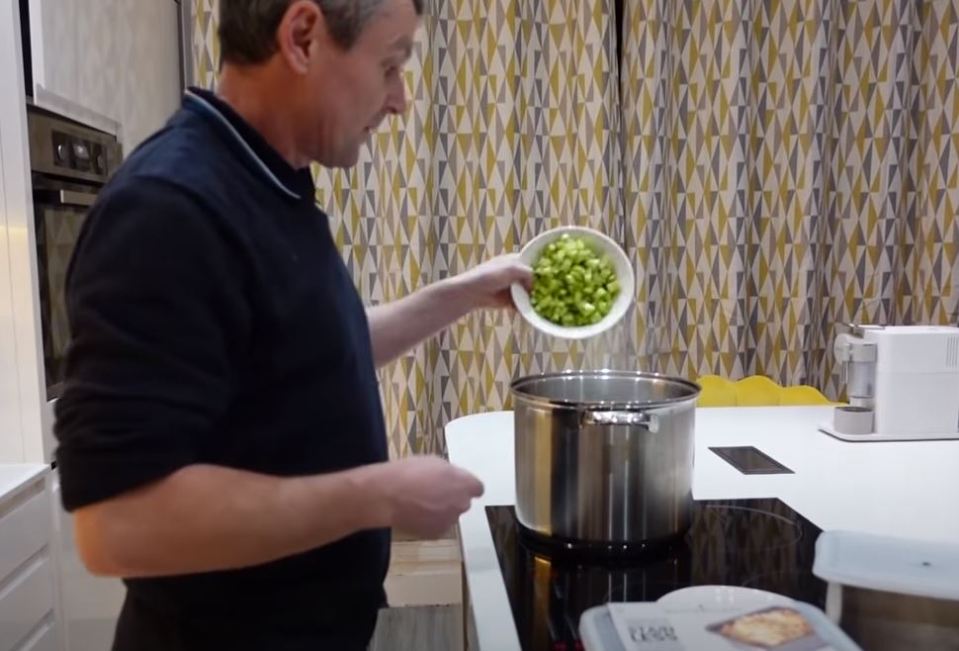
(248, 27)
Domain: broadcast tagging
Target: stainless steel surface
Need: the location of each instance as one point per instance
(609, 390)
(185, 35)
(861, 384)
(642, 419)
(605, 456)
(884, 621)
(857, 365)
(70, 163)
(63, 148)
(71, 198)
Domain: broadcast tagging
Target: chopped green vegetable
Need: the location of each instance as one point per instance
(573, 285)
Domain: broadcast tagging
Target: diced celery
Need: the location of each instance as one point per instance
(573, 285)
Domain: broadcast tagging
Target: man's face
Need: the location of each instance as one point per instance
(350, 92)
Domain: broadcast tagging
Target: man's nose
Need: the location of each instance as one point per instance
(396, 97)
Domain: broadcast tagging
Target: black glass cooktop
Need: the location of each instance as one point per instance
(759, 543)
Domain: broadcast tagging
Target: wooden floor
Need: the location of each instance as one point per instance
(419, 628)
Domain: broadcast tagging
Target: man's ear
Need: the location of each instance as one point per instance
(300, 30)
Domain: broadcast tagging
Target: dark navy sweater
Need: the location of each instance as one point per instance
(214, 322)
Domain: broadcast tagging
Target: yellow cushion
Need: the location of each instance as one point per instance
(717, 392)
(755, 391)
(803, 395)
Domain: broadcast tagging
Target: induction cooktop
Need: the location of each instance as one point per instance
(758, 543)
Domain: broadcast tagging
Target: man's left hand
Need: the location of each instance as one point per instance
(488, 285)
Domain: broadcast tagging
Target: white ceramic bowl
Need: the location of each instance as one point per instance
(601, 243)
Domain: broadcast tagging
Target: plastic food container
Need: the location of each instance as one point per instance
(891, 593)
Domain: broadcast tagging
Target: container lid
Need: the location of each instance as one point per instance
(718, 618)
(898, 565)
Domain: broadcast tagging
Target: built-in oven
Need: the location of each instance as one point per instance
(69, 164)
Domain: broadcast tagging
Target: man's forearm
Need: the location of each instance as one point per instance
(205, 518)
(398, 326)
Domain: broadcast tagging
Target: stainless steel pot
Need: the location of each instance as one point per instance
(604, 457)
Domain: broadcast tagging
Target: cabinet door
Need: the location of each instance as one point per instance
(26, 601)
(44, 639)
(27, 571)
(21, 357)
(59, 45)
(12, 192)
(11, 445)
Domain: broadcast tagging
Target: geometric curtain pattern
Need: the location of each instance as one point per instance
(511, 129)
(206, 45)
(789, 167)
(773, 169)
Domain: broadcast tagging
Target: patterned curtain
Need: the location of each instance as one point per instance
(789, 166)
(774, 169)
(513, 128)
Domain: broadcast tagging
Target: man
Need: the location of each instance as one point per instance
(221, 436)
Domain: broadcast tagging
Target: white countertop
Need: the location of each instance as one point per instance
(893, 488)
(15, 475)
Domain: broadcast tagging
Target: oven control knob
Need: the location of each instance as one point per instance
(63, 153)
(100, 164)
(81, 152)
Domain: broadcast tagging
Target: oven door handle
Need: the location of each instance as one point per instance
(74, 198)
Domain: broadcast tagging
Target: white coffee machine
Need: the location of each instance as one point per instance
(902, 383)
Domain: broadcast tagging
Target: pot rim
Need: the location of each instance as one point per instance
(605, 405)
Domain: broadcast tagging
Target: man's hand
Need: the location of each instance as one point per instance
(426, 495)
(488, 285)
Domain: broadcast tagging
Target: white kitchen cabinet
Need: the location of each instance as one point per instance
(111, 64)
(29, 608)
(11, 447)
(57, 60)
(45, 639)
(90, 604)
(52, 39)
(21, 356)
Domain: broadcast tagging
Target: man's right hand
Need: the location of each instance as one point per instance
(426, 495)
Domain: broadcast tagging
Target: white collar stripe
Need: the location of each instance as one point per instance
(246, 146)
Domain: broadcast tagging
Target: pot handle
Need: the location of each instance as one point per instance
(647, 421)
